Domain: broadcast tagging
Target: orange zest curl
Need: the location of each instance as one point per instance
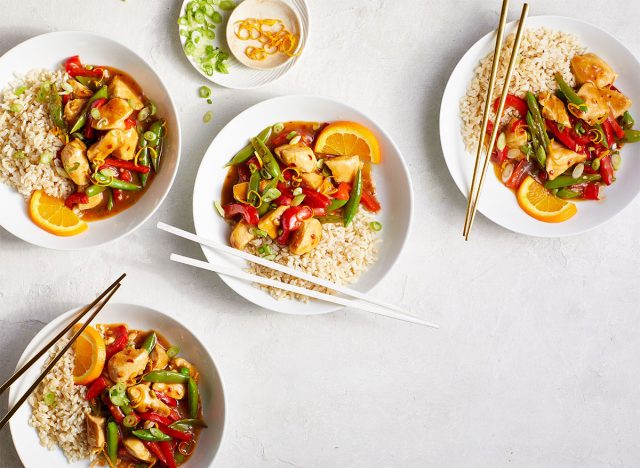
(271, 33)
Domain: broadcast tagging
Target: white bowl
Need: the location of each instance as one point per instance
(497, 202)
(211, 387)
(49, 51)
(391, 176)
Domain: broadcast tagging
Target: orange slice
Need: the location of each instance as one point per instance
(348, 139)
(53, 216)
(539, 203)
(90, 357)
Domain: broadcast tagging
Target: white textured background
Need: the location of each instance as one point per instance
(536, 363)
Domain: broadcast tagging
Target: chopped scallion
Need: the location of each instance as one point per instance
(16, 107)
(95, 113)
(46, 157)
(218, 208)
(173, 351)
(206, 118)
(49, 399)
(20, 90)
(204, 91)
(375, 225)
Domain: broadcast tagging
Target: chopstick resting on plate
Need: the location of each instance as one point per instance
(237, 273)
(478, 177)
(105, 296)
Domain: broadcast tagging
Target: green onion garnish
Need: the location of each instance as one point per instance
(150, 136)
(49, 399)
(291, 135)
(173, 351)
(16, 107)
(19, 155)
(218, 208)
(95, 113)
(277, 128)
(375, 225)
(207, 117)
(20, 90)
(46, 157)
(204, 91)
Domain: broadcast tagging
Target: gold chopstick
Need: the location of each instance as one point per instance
(487, 107)
(44, 373)
(503, 98)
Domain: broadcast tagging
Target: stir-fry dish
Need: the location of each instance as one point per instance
(564, 144)
(294, 192)
(134, 399)
(85, 145)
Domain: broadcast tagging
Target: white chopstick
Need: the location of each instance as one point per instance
(236, 273)
(276, 266)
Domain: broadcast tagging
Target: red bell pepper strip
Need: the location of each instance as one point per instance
(319, 212)
(167, 400)
(129, 165)
(174, 415)
(244, 174)
(606, 170)
(563, 135)
(516, 124)
(608, 133)
(155, 449)
(75, 68)
(116, 412)
(512, 101)
(292, 220)
(96, 388)
(369, 201)
(76, 199)
(129, 122)
(125, 175)
(176, 434)
(615, 126)
(344, 190)
(315, 199)
(286, 196)
(498, 156)
(591, 191)
(120, 341)
(519, 173)
(155, 417)
(167, 451)
(248, 212)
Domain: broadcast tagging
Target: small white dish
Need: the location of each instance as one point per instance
(497, 202)
(391, 175)
(211, 387)
(241, 76)
(49, 51)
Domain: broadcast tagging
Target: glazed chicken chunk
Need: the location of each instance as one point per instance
(589, 68)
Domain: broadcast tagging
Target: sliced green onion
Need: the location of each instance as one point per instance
(277, 128)
(117, 395)
(89, 67)
(20, 90)
(152, 108)
(19, 155)
(144, 114)
(207, 117)
(297, 191)
(270, 195)
(68, 89)
(49, 399)
(295, 140)
(209, 101)
(216, 17)
(595, 164)
(173, 351)
(227, 5)
(46, 157)
(271, 257)
(130, 420)
(16, 107)
(218, 208)
(43, 92)
(375, 225)
(616, 160)
(261, 233)
(204, 91)
(297, 200)
(95, 113)
(150, 136)
(291, 135)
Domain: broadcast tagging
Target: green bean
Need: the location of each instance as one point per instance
(109, 200)
(567, 181)
(541, 156)
(352, 205)
(566, 193)
(570, 94)
(165, 376)
(627, 121)
(112, 441)
(150, 342)
(82, 118)
(245, 153)
(631, 136)
(143, 160)
(151, 435)
(538, 120)
(93, 190)
(193, 397)
(535, 140)
(268, 159)
(336, 205)
(254, 185)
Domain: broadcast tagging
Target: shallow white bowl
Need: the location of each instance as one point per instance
(497, 202)
(49, 51)
(391, 176)
(25, 437)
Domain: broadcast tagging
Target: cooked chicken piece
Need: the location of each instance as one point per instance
(553, 108)
(127, 151)
(560, 158)
(298, 155)
(112, 115)
(95, 431)
(343, 168)
(591, 68)
(179, 363)
(158, 358)
(241, 235)
(110, 142)
(74, 161)
(174, 390)
(119, 88)
(307, 237)
(312, 179)
(517, 138)
(93, 202)
(240, 191)
(72, 110)
(138, 450)
(269, 223)
(142, 399)
(79, 90)
(127, 364)
(602, 101)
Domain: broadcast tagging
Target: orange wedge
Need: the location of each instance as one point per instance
(539, 203)
(53, 216)
(90, 357)
(348, 139)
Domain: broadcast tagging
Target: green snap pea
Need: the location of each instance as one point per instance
(151, 435)
(268, 159)
(116, 183)
(254, 185)
(191, 422)
(245, 153)
(55, 110)
(567, 181)
(631, 136)
(109, 200)
(112, 441)
(82, 118)
(353, 204)
(165, 376)
(535, 141)
(93, 190)
(541, 156)
(193, 397)
(143, 160)
(566, 193)
(570, 94)
(336, 205)
(157, 127)
(150, 342)
(538, 121)
(627, 121)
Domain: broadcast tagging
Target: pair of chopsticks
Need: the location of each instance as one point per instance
(476, 185)
(359, 300)
(106, 295)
